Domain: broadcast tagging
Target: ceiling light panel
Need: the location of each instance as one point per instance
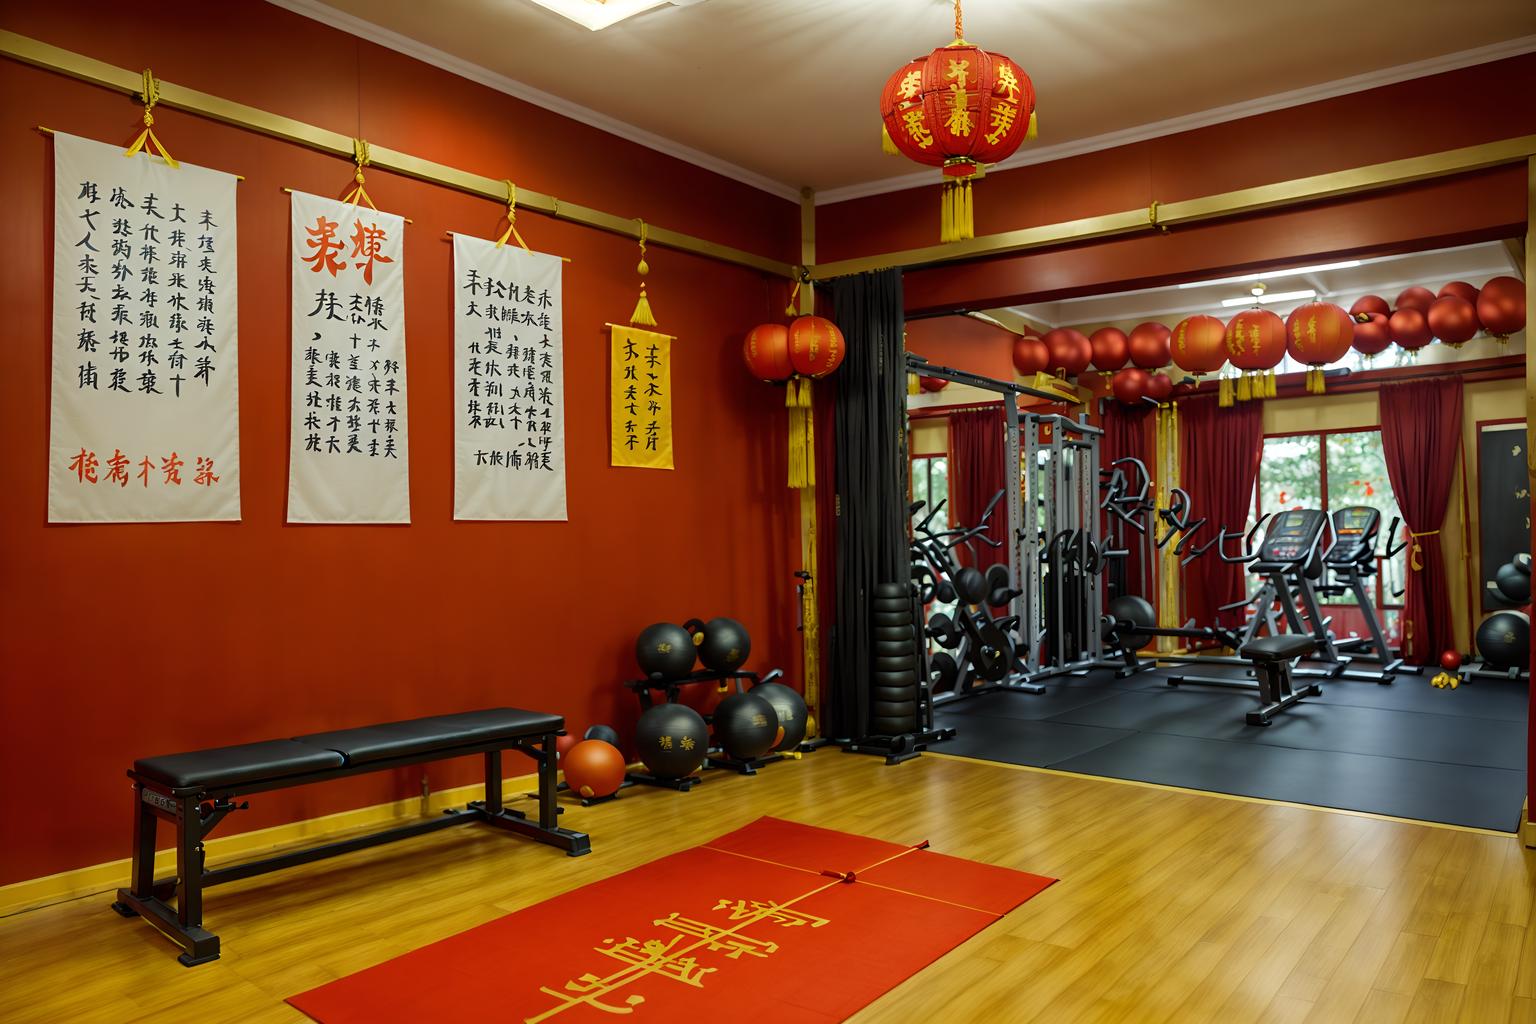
(1249, 300)
(1270, 275)
(599, 14)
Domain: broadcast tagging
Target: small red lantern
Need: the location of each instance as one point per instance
(1409, 327)
(1111, 348)
(932, 383)
(1418, 297)
(1255, 342)
(1149, 345)
(766, 351)
(1070, 351)
(816, 346)
(1030, 356)
(1460, 289)
(1372, 335)
(958, 108)
(1368, 304)
(1199, 344)
(1501, 306)
(1317, 334)
(1159, 387)
(1453, 320)
(1129, 385)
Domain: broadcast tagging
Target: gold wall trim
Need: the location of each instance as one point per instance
(88, 69)
(1226, 204)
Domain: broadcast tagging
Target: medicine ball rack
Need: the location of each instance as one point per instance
(725, 681)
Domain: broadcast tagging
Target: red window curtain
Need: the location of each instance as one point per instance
(1420, 438)
(975, 475)
(1219, 455)
(1127, 435)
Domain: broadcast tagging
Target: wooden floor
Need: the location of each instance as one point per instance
(1171, 906)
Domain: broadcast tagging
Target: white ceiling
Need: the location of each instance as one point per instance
(785, 93)
(1385, 276)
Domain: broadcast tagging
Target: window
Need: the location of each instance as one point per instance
(930, 485)
(1329, 470)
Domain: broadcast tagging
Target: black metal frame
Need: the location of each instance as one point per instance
(196, 810)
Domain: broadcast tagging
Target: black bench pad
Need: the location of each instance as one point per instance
(227, 766)
(413, 736)
(1283, 647)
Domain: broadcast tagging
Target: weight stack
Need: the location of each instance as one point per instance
(893, 669)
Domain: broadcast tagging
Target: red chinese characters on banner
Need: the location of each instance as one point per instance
(86, 466)
(367, 247)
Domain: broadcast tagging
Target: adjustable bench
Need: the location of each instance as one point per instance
(1272, 657)
(196, 790)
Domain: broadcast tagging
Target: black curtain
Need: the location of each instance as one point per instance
(870, 457)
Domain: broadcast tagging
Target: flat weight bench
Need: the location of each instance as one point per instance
(1272, 657)
(196, 790)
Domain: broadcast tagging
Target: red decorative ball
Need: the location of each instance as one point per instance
(1501, 306)
(1255, 340)
(1070, 351)
(1453, 320)
(1418, 297)
(932, 383)
(1460, 289)
(1159, 387)
(1450, 660)
(1198, 344)
(1149, 345)
(1373, 336)
(816, 346)
(1030, 356)
(1410, 328)
(1318, 333)
(594, 768)
(1369, 304)
(1129, 384)
(1111, 348)
(565, 743)
(766, 351)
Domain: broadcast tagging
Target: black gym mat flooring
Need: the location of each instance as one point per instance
(1407, 750)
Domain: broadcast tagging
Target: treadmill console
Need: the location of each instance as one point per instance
(1292, 536)
(1355, 532)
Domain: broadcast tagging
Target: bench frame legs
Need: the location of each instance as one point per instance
(1276, 692)
(195, 813)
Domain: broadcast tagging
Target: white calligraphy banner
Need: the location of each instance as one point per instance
(508, 382)
(348, 457)
(145, 422)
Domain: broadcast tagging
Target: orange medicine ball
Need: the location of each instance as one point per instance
(593, 768)
(766, 351)
(816, 346)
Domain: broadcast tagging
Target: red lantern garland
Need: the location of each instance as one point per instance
(1198, 344)
(1111, 348)
(1409, 327)
(1372, 335)
(1030, 356)
(1368, 304)
(1453, 320)
(1149, 345)
(1501, 306)
(1255, 342)
(1417, 297)
(957, 109)
(1070, 351)
(1461, 289)
(766, 351)
(1159, 387)
(1317, 334)
(1129, 385)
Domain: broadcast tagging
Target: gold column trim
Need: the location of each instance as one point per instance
(810, 639)
(88, 69)
(1226, 204)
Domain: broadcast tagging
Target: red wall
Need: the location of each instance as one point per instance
(125, 641)
(963, 343)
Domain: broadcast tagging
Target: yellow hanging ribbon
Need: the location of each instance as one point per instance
(1415, 557)
(511, 231)
(642, 314)
(151, 95)
(359, 194)
(794, 294)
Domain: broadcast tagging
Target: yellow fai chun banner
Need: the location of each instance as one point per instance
(640, 410)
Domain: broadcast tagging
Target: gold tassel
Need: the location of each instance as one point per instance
(807, 412)
(1224, 392)
(796, 437)
(1271, 385)
(642, 315)
(1034, 127)
(1322, 382)
(914, 386)
(1244, 388)
(957, 221)
(887, 144)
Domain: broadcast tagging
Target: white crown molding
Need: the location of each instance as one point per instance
(317, 11)
(1188, 122)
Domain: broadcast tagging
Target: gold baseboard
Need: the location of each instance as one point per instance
(67, 885)
(1528, 831)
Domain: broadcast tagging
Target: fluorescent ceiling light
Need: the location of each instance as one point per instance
(1268, 274)
(599, 14)
(1251, 300)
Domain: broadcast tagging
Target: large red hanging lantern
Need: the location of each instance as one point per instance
(1418, 297)
(1198, 344)
(1111, 348)
(766, 350)
(1409, 327)
(1129, 384)
(816, 346)
(1317, 334)
(1070, 351)
(1373, 336)
(1453, 320)
(1501, 306)
(1255, 341)
(1149, 345)
(1368, 304)
(1030, 356)
(959, 108)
